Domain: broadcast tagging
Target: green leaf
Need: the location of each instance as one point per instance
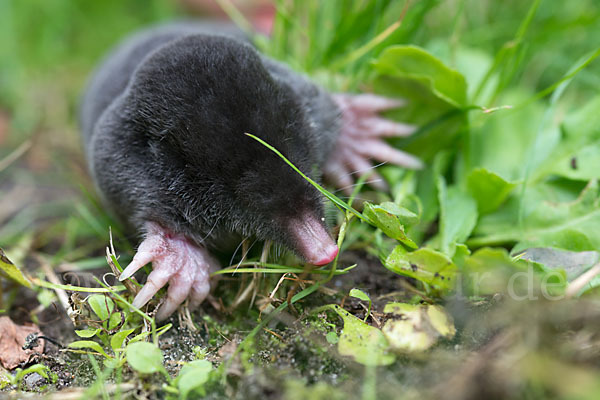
(102, 306)
(114, 320)
(116, 341)
(491, 270)
(359, 294)
(87, 333)
(573, 263)
(114, 363)
(144, 357)
(416, 63)
(425, 265)
(458, 215)
(577, 155)
(390, 218)
(437, 96)
(365, 344)
(88, 344)
(488, 189)
(333, 198)
(552, 217)
(193, 376)
(12, 271)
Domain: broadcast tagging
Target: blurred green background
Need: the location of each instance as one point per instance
(49, 48)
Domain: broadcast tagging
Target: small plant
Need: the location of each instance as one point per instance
(113, 326)
(17, 379)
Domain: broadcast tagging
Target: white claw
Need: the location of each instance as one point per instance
(175, 260)
(381, 127)
(361, 140)
(372, 103)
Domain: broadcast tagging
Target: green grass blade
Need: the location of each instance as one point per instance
(334, 199)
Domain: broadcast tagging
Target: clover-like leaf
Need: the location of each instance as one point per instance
(193, 376)
(88, 344)
(102, 306)
(144, 357)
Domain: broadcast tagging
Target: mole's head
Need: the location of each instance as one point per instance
(216, 90)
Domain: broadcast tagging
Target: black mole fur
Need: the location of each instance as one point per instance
(163, 122)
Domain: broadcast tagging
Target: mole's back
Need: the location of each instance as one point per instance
(112, 77)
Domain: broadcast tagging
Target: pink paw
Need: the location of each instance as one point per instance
(361, 140)
(176, 260)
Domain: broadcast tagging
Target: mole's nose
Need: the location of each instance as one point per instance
(312, 240)
(328, 255)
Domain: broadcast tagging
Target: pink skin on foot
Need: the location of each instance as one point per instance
(362, 140)
(313, 240)
(183, 264)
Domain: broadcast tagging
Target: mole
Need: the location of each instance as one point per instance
(163, 121)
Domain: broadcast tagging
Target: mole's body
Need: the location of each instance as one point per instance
(163, 122)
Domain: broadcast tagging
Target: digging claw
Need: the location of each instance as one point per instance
(183, 264)
(362, 140)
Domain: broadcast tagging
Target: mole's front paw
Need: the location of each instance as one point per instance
(185, 265)
(362, 140)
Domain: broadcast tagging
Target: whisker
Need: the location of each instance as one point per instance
(210, 231)
(357, 184)
(236, 250)
(368, 169)
(245, 255)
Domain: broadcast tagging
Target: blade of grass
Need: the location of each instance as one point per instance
(334, 199)
(236, 16)
(48, 285)
(506, 53)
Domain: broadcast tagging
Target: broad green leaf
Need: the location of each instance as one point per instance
(416, 327)
(12, 271)
(88, 344)
(144, 357)
(552, 217)
(426, 265)
(458, 215)
(489, 271)
(416, 63)
(116, 341)
(472, 63)
(577, 155)
(193, 376)
(87, 333)
(437, 95)
(365, 344)
(488, 189)
(503, 141)
(573, 263)
(102, 306)
(391, 218)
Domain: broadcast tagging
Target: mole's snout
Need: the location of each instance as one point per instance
(328, 255)
(312, 240)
